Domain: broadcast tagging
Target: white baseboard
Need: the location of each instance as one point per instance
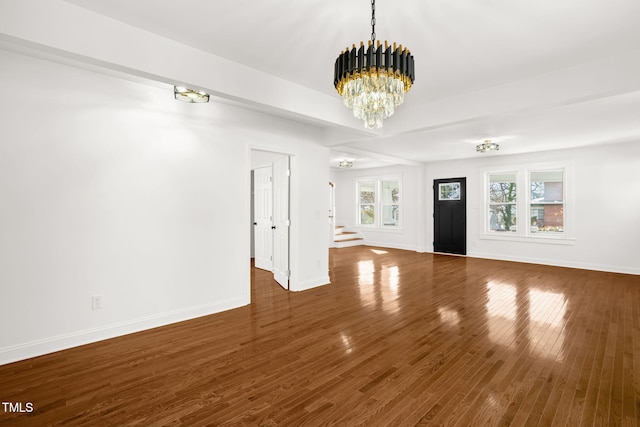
(62, 342)
(559, 263)
(503, 257)
(310, 284)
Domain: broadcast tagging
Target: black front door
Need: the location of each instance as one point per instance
(450, 215)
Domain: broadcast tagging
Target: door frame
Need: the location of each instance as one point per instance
(292, 187)
(460, 220)
(332, 213)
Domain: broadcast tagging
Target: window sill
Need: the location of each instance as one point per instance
(549, 240)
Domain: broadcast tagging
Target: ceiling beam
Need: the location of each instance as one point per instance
(64, 29)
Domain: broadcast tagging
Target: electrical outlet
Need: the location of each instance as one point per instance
(96, 302)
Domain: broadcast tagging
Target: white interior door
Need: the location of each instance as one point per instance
(263, 217)
(281, 222)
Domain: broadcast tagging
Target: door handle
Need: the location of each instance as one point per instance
(255, 223)
(273, 227)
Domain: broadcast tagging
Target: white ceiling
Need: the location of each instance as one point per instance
(530, 75)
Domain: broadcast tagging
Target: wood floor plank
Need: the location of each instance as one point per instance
(578, 400)
(398, 338)
(635, 335)
(572, 393)
(562, 374)
(598, 369)
(628, 397)
(617, 360)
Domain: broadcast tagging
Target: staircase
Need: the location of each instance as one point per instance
(343, 238)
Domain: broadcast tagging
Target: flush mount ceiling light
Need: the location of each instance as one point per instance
(373, 81)
(189, 95)
(345, 164)
(487, 145)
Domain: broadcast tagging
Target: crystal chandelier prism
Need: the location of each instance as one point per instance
(373, 81)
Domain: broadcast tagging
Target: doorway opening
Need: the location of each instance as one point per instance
(270, 219)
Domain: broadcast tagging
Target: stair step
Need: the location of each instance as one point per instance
(354, 241)
(346, 236)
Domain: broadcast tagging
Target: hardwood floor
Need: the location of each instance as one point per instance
(398, 338)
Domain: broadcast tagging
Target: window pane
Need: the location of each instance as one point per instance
(547, 186)
(547, 218)
(390, 192)
(366, 214)
(547, 197)
(391, 215)
(502, 218)
(502, 188)
(449, 191)
(367, 192)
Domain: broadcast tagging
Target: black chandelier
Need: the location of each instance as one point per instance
(373, 81)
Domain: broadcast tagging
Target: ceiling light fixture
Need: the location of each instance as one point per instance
(373, 81)
(189, 95)
(487, 145)
(345, 164)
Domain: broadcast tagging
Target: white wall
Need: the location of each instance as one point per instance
(411, 235)
(603, 205)
(604, 186)
(110, 187)
(309, 254)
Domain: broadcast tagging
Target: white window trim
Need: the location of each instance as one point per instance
(377, 226)
(523, 203)
(551, 240)
(358, 204)
(487, 202)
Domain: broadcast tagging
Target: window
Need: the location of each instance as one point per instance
(390, 203)
(546, 204)
(527, 202)
(379, 202)
(367, 194)
(502, 202)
